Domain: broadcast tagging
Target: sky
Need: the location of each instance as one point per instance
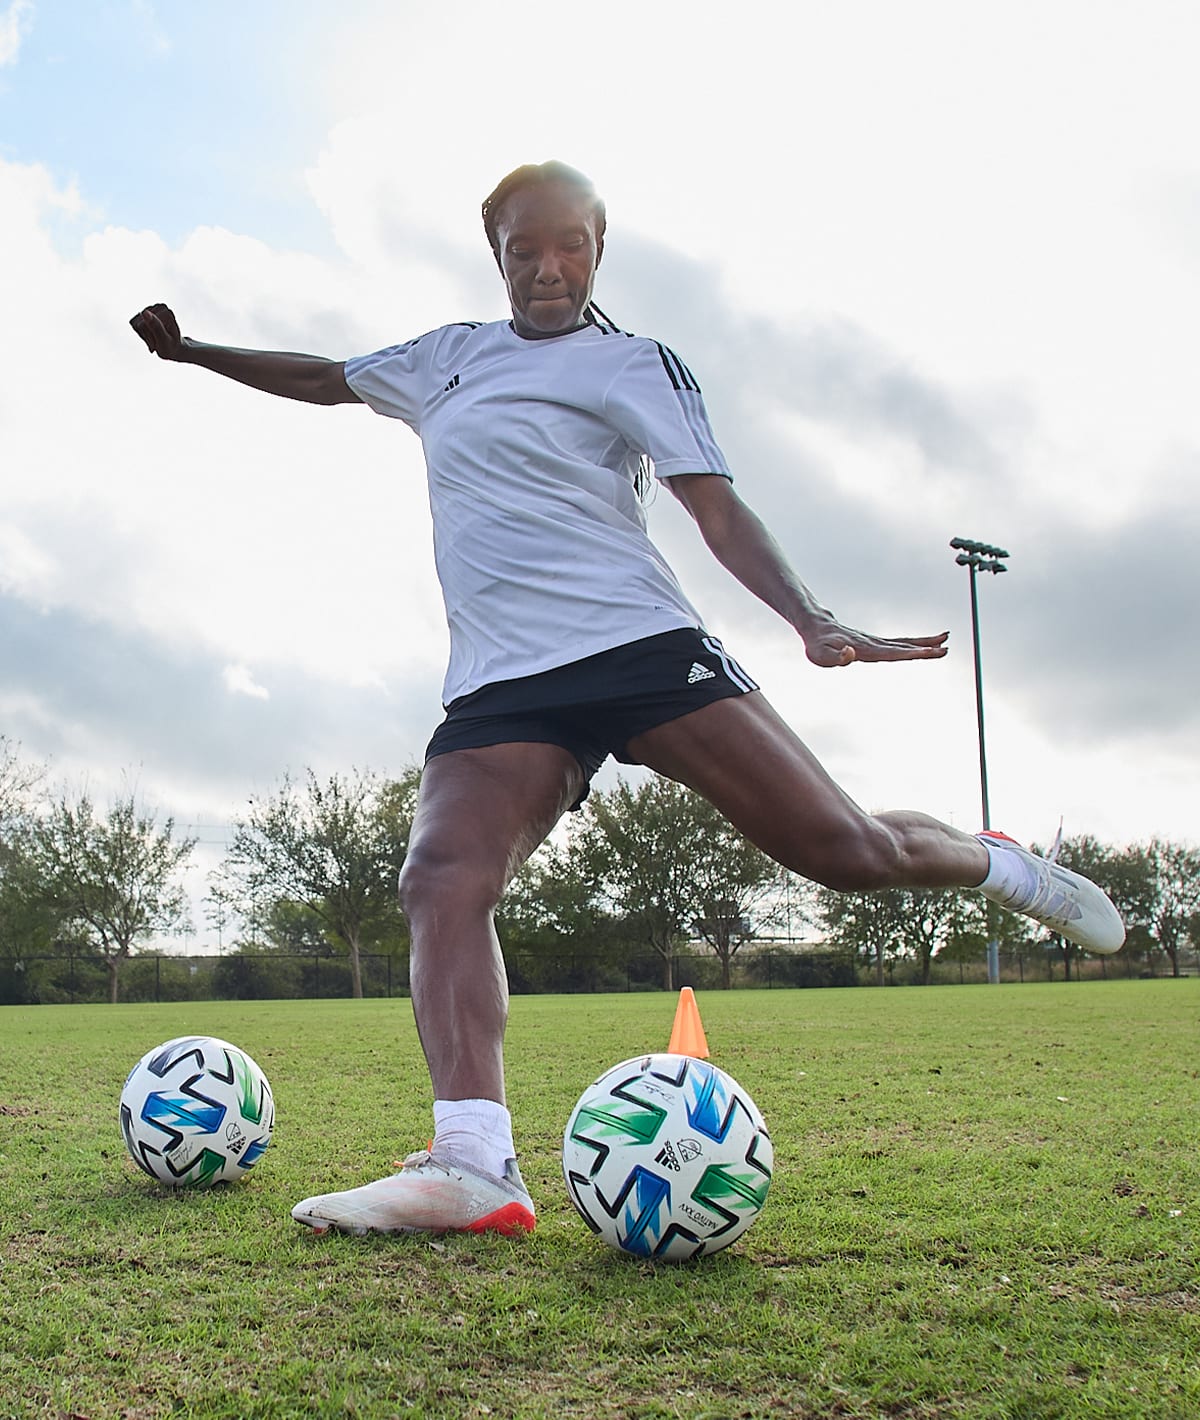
(936, 267)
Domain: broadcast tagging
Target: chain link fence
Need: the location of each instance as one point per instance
(268, 975)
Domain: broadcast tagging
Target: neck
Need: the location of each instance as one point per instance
(549, 334)
(587, 318)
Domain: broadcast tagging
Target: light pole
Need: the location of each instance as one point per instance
(981, 557)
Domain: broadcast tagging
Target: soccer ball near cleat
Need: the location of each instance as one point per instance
(667, 1157)
(196, 1111)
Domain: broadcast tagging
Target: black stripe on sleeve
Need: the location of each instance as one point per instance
(692, 382)
(680, 376)
(662, 355)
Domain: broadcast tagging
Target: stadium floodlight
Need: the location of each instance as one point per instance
(981, 557)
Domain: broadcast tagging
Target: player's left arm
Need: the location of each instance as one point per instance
(741, 542)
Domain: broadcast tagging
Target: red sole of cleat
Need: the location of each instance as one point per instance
(511, 1220)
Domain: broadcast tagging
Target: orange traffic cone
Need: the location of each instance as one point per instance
(687, 1034)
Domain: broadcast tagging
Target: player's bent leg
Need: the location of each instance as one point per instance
(480, 813)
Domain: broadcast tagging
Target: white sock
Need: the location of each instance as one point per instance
(477, 1132)
(1009, 876)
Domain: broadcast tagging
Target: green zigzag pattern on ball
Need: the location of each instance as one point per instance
(721, 1186)
(201, 1171)
(252, 1096)
(639, 1124)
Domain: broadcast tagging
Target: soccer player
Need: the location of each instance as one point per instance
(570, 640)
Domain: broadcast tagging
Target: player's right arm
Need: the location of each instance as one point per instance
(310, 378)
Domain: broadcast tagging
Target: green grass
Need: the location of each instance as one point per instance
(984, 1206)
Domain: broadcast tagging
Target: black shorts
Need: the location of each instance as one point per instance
(595, 706)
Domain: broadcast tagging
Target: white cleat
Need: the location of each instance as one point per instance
(428, 1195)
(1066, 902)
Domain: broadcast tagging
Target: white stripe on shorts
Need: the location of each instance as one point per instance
(732, 669)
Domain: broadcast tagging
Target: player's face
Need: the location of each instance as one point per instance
(548, 257)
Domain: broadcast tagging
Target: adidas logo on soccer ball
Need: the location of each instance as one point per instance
(667, 1157)
(699, 672)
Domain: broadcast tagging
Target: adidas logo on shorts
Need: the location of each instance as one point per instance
(699, 673)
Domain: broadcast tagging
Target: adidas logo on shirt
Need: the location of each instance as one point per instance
(699, 673)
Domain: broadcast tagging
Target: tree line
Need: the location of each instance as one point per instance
(646, 870)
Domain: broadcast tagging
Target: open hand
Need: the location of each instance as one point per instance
(158, 327)
(832, 644)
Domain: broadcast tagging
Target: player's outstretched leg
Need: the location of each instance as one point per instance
(1066, 902)
(428, 1195)
(748, 762)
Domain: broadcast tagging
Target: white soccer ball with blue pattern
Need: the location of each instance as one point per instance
(196, 1111)
(667, 1157)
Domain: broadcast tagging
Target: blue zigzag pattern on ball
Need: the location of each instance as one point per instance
(254, 1152)
(181, 1114)
(709, 1109)
(647, 1200)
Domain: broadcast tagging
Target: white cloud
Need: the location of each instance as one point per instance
(25, 568)
(161, 497)
(15, 23)
(239, 680)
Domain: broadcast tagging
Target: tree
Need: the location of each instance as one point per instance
(633, 849)
(1016, 936)
(24, 923)
(18, 779)
(666, 859)
(548, 901)
(1173, 895)
(278, 955)
(112, 880)
(335, 848)
(927, 918)
(736, 891)
(555, 933)
(969, 928)
(1155, 885)
(866, 924)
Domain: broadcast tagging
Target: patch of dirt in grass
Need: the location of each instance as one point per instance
(814, 1259)
(1125, 1298)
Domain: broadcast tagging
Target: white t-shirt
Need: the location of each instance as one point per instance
(532, 448)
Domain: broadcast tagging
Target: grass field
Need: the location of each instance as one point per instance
(985, 1205)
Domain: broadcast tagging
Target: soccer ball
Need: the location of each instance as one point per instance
(667, 1157)
(196, 1111)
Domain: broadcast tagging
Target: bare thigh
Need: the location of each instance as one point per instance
(481, 813)
(748, 762)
